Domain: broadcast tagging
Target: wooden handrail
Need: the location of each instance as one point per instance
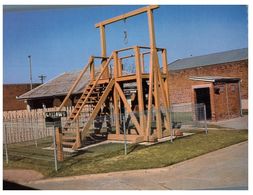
(94, 84)
(145, 47)
(124, 49)
(75, 84)
(125, 57)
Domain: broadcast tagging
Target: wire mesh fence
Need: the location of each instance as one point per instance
(189, 116)
(30, 139)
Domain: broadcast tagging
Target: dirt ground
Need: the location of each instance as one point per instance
(21, 176)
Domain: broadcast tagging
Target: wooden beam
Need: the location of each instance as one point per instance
(103, 50)
(58, 137)
(151, 31)
(75, 83)
(142, 62)
(163, 93)
(124, 49)
(133, 118)
(157, 103)
(103, 40)
(140, 89)
(115, 57)
(115, 95)
(127, 15)
(151, 69)
(126, 78)
(150, 96)
(145, 47)
(166, 72)
(116, 110)
(120, 67)
(128, 56)
(92, 71)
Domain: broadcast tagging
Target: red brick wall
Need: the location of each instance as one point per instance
(227, 101)
(10, 91)
(181, 85)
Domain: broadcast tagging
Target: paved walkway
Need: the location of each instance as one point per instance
(235, 123)
(223, 169)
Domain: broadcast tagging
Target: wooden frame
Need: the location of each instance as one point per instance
(157, 80)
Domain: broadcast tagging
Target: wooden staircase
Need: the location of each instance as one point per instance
(94, 96)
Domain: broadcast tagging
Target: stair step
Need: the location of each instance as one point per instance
(68, 131)
(68, 138)
(68, 143)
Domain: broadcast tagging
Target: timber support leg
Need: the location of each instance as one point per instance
(58, 135)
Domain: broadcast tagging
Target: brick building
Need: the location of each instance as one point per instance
(231, 67)
(232, 63)
(11, 91)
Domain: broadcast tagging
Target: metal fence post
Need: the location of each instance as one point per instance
(55, 150)
(205, 118)
(124, 129)
(5, 145)
(171, 125)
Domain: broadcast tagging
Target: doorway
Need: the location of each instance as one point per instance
(203, 96)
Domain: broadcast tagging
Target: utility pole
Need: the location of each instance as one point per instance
(42, 78)
(30, 64)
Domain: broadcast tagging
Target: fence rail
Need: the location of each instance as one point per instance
(24, 125)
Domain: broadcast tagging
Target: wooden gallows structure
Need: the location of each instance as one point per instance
(105, 95)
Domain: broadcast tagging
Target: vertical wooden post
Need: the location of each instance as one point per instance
(164, 85)
(58, 136)
(116, 110)
(103, 50)
(157, 104)
(153, 62)
(150, 98)
(116, 95)
(119, 67)
(140, 90)
(116, 64)
(166, 71)
(92, 71)
(142, 63)
(151, 70)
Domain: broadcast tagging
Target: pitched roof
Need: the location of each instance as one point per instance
(58, 86)
(210, 59)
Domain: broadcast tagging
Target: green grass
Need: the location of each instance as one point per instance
(110, 157)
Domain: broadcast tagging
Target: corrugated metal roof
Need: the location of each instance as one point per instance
(58, 86)
(214, 79)
(215, 58)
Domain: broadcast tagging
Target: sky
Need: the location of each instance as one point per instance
(62, 39)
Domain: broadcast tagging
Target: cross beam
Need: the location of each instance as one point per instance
(127, 15)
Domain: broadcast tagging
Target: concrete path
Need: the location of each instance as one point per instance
(21, 175)
(223, 169)
(235, 123)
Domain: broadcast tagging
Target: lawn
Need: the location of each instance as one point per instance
(110, 157)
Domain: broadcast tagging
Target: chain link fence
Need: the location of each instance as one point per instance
(29, 139)
(189, 117)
